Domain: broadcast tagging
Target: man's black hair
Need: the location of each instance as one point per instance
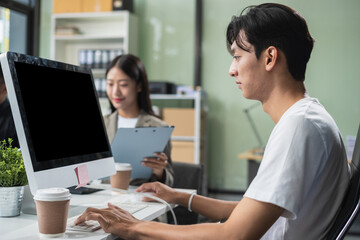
(275, 25)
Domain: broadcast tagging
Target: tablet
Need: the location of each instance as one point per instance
(132, 145)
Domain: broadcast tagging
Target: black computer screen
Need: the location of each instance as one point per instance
(61, 115)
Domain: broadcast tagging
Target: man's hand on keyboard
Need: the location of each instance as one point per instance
(159, 190)
(111, 219)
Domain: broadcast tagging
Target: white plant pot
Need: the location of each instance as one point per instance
(10, 201)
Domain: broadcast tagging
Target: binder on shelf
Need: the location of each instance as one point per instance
(89, 58)
(97, 58)
(103, 87)
(105, 58)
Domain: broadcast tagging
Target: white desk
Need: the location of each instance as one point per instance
(25, 226)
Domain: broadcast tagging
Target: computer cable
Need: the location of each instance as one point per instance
(149, 195)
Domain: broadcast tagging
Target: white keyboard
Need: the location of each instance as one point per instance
(91, 226)
(88, 226)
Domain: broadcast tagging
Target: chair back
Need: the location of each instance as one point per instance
(188, 176)
(350, 205)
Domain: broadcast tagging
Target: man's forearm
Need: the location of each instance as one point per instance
(211, 208)
(160, 231)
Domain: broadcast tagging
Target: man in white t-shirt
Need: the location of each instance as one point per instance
(304, 173)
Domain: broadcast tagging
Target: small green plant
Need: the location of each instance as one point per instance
(12, 169)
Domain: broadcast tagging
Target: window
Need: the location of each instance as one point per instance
(19, 26)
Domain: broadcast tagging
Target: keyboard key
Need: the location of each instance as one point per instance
(130, 207)
(88, 226)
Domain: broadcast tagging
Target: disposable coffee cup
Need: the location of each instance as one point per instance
(122, 177)
(52, 207)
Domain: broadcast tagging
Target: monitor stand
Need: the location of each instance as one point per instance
(28, 203)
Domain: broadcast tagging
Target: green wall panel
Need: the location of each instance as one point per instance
(167, 39)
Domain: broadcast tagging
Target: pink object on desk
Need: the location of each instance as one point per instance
(82, 175)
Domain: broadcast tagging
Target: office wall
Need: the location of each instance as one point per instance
(45, 26)
(333, 74)
(166, 39)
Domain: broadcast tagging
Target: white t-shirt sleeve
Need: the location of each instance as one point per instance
(291, 162)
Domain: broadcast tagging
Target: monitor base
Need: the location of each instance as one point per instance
(28, 203)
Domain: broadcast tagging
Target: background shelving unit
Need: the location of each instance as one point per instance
(98, 30)
(199, 138)
(200, 105)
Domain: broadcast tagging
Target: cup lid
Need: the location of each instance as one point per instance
(52, 194)
(122, 166)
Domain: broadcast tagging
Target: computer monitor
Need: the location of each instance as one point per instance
(58, 120)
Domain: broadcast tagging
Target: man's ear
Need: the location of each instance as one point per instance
(271, 54)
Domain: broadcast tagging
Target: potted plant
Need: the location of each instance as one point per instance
(12, 179)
